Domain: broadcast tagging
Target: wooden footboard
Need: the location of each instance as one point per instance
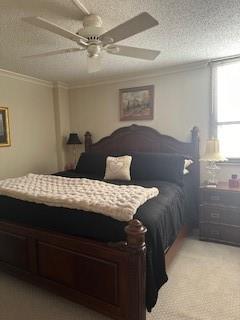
(109, 278)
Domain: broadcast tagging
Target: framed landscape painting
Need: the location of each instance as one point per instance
(4, 127)
(136, 103)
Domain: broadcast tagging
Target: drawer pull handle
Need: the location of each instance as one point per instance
(215, 198)
(215, 215)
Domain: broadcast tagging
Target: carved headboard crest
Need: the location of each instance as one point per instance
(136, 138)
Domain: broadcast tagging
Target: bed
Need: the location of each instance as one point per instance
(103, 264)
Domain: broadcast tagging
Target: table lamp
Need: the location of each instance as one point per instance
(74, 141)
(212, 155)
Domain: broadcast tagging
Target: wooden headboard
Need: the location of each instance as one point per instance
(137, 138)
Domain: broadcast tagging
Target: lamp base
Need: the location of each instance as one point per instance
(211, 186)
(212, 173)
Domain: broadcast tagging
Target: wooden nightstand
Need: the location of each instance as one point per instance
(220, 214)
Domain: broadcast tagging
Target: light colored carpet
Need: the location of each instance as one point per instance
(204, 284)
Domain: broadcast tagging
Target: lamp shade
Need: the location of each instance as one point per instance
(73, 139)
(212, 152)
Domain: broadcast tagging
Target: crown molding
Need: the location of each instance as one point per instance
(146, 75)
(60, 84)
(23, 77)
(115, 79)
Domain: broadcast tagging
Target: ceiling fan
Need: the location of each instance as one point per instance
(94, 40)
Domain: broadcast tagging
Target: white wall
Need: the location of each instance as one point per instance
(42, 117)
(62, 124)
(32, 127)
(182, 100)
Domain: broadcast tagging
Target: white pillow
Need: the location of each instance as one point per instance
(187, 163)
(118, 168)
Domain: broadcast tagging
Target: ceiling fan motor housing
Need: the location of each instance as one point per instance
(92, 27)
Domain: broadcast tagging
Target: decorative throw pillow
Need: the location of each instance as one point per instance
(118, 168)
(158, 166)
(91, 163)
(187, 163)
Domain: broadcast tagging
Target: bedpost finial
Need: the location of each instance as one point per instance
(195, 142)
(88, 141)
(135, 231)
(195, 132)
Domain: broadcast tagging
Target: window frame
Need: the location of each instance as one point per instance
(214, 123)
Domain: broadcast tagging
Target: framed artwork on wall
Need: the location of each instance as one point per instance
(4, 128)
(136, 103)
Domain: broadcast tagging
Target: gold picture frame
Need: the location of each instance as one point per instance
(136, 103)
(4, 128)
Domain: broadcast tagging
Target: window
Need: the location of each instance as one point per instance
(226, 107)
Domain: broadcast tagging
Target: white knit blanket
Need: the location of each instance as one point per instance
(119, 202)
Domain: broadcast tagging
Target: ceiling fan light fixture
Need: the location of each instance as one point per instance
(94, 63)
(93, 50)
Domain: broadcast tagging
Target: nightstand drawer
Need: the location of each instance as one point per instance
(220, 233)
(231, 235)
(220, 197)
(210, 231)
(221, 215)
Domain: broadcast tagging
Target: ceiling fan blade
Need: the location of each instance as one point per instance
(52, 27)
(133, 26)
(133, 52)
(52, 53)
(94, 63)
(81, 7)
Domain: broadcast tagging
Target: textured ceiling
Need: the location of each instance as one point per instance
(188, 31)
